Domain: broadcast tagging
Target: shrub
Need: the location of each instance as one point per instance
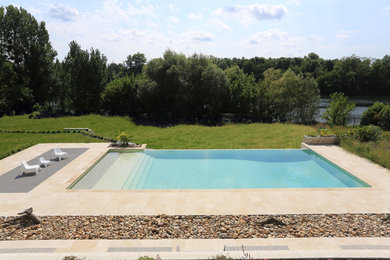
(368, 133)
(338, 110)
(146, 258)
(120, 96)
(123, 138)
(35, 115)
(323, 131)
(378, 114)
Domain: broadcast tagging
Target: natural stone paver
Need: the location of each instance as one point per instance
(51, 199)
(45, 197)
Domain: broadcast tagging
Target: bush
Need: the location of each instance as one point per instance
(124, 138)
(338, 110)
(120, 96)
(146, 258)
(323, 131)
(35, 115)
(378, 114)
(368, 133)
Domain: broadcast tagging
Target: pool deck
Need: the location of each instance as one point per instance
(45, 197)
(198, 248)
(52, 197)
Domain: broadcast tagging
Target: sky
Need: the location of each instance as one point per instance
(268, 28)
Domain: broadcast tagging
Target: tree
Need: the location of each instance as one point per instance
(177, 88)
(115, 71)
(135, 63)
(264, 106)
(120, 96)
(378, 114)
(339, 109)
(161, 92)
(25, 46)
(242, 91)
(287, 97)
(87, 78)
(213, 87)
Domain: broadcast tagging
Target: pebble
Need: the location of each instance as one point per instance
(197, 227)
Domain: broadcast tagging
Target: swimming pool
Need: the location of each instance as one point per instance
(215, 169)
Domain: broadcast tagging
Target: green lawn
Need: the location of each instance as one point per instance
(378, 151)
(180, 136)
(176, 137)
(11, 142)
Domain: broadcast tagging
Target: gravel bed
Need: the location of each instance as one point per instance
(198, 227)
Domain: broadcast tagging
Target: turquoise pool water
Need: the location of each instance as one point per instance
(215, 169)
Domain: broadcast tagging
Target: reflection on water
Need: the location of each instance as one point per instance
(362, 105)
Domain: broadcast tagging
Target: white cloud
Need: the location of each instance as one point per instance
(116, 29)
(197, 36)
(63, 12)
(251, 13)
(34, 11)
(293, 2)
(342, 34)
(279, 43)
(173, 8)
(387, 8)
(269, 35)
(173, 19)
(113, 7)
(219, 25)
(198, 16)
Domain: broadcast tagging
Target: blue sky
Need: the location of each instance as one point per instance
(277, 28)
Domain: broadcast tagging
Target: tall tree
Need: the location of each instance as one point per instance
(339, 109)
(87, 78)
(289, 97)
(120, 97)
(135, 63)
(25, 45)
(242, 91)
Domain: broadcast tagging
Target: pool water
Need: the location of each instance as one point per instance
(215, 169)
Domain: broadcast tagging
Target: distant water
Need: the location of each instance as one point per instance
(362, 104)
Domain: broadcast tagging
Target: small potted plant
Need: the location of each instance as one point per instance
(323, 137)
(123, 139)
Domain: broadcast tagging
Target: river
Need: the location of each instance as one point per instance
(362, 105)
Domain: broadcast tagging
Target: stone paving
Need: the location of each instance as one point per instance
(45, 197)
(198, 248)
(52, 198)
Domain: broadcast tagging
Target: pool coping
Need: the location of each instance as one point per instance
(45, 197)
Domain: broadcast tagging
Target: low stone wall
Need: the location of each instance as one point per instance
(320, 140)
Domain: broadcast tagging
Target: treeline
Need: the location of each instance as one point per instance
(172, 88)
(354, 76)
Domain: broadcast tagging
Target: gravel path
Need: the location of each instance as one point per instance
(199, 227)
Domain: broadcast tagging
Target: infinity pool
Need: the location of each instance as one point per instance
(215, 169)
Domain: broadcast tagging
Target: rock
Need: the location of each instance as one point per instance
(205, 227)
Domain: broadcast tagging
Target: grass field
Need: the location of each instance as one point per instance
(378, 151)
(12, 142)
(180, 136)
(240, 136)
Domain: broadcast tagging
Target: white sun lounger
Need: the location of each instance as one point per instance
(44, 162)
(26, 168)
(57, 153)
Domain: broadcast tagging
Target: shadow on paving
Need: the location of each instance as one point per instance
(13, 182)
